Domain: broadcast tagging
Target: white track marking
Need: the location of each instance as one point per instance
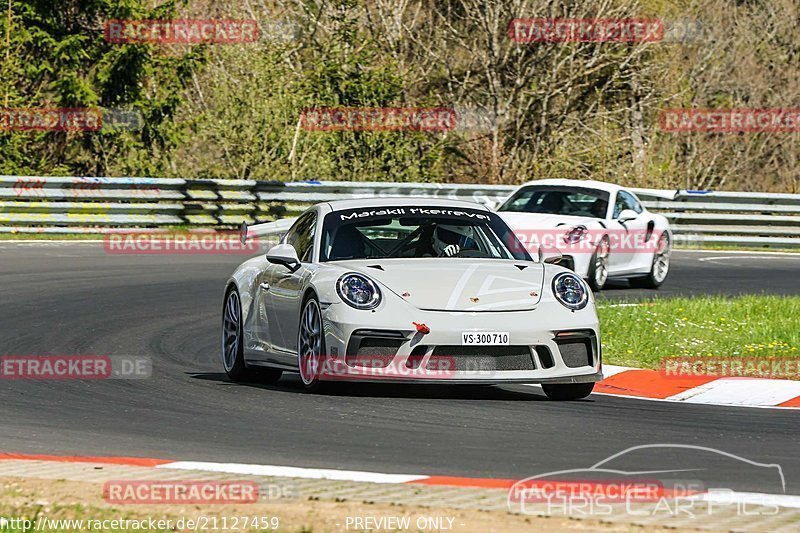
(751, 498)
(738, 252)
(742, 391)
(610, 370)
(724, 402)
(747, 406)
(721, 496)
(291, 471)
(759, 257)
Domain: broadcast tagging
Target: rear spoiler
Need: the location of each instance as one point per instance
(655, 193)
(279, 227)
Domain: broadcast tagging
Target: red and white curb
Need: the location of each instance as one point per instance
(270, 470)
(743, 392)
(782, 500)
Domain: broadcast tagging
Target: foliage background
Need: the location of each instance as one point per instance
(582, 110)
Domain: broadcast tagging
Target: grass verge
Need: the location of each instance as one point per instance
(641, 334)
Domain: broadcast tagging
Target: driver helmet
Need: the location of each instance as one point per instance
(446, 235)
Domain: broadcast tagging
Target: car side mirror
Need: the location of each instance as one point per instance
(551, 255)
(627, 214)
(284, 254)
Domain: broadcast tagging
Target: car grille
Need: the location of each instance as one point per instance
(373, 349)
(576, 353)
(482, 358)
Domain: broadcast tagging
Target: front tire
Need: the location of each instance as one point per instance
(568, 392)
(311, 345)
(233, 345)
(660, 267)
(598, 268)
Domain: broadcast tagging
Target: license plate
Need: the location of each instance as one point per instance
(485, 338)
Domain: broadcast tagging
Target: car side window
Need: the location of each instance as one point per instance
(519, 202)
(301, 236)
(626, 200)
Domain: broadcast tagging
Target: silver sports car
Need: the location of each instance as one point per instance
(408, 290)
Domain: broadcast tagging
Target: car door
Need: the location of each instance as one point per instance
(626, 236)
(286, 288)
(261, 323)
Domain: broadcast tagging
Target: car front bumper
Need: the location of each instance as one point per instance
(550, 344)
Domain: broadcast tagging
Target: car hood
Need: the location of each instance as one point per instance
(538, 221)
(458, 284)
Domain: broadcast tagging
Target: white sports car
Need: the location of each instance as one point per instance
(603, 230)
(403, 289)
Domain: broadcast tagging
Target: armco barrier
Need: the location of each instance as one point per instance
(35, 204)
(754, 219)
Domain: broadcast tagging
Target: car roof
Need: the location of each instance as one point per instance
(590, 184)
(399, 201)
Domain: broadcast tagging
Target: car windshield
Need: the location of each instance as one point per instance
(409, 231)
(549, 200)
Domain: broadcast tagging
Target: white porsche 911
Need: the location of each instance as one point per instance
(603, 230)
(408, 290)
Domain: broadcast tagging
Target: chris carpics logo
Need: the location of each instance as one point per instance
(657, 480)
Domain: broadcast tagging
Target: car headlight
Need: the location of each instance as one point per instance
(358, 291)
(576, 234)
(570, 291)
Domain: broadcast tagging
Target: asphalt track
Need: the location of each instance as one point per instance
(74, 299)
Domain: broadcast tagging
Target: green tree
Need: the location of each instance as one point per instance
(58, 57)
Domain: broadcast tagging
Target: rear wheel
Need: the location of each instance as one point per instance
(659, 269)
(567, 392)
(598, 268)
(233, 345)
